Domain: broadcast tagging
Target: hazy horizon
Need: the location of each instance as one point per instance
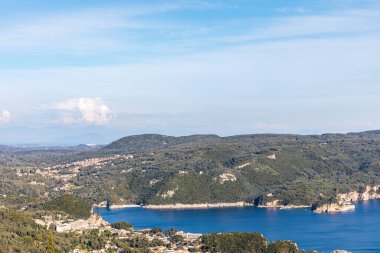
(72, 143)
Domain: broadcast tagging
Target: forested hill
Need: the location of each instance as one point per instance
(297, 169)
(155, 141)
(156, 169)
(146, 142)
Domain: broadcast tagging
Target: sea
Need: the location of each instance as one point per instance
(357, 231)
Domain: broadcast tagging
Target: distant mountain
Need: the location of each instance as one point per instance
(146, 142)
(32, 156)
(88, 147)
(154, 141)
(5, 147)
(372, 133)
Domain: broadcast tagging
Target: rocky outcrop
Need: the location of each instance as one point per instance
(198, 206)
(96, 220)
(345, 200)
(370, 192)
(341, 251)
(227, 177)
(270, 204)
(169, 193)
(275, 204)
(334, 208)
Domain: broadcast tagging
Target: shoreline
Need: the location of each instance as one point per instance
(198, 206)
(114, 207)
(274, 204)
(268, 205)
(282, 207)
(347, 201)
(179, 206)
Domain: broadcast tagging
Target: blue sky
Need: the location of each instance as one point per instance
(92, 71)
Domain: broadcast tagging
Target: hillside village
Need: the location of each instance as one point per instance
(183, 242)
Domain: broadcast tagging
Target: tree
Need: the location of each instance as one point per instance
(171, 232)
(50, 248)
(177, 238)
(156, 230)
(122, 225)
(107, 233)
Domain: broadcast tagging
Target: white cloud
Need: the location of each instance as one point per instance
(5, 117)
(91, 110)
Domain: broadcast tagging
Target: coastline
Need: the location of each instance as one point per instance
(102, 205)
(123, 206)
(282, 207)
(294, 207)
(346, 203)
(275, 205)
(198, 206)
(114, 207)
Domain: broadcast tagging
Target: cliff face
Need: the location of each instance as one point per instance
(97, 220)
(334, 208)
(345, 200)
(271, 204)
(369, 193)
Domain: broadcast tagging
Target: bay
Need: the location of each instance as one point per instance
(357, 231)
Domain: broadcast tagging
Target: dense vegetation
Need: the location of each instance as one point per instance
(70, 204)
(19, 233)
(245, 242)
(122, 225)
(300, 170)
(295, 169)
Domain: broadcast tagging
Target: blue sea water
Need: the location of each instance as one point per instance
(357, 231)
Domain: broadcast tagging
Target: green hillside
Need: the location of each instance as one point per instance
(70, 204)
(296, 169)
(293, 168)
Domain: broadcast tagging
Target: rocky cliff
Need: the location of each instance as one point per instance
(96, 220)
(370, 192)
(276, 204)
(334, 208)
(345, 200)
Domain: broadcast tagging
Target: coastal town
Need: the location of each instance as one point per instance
(171, 241)
(165, 242)
(70, 170)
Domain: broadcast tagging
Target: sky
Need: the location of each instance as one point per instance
(78, 71)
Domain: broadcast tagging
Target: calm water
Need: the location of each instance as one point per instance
(357, 231)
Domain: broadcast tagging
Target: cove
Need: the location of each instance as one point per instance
(357, 231)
